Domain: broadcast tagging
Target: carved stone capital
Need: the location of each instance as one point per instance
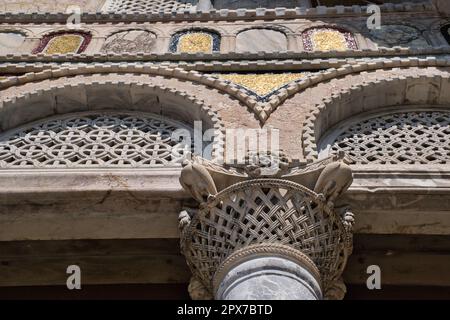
(291, 217)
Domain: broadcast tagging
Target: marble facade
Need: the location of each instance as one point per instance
(89, 171)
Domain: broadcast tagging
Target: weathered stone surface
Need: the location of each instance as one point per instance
(256, 40)
(10, 42)
(51, 218)
(398, 35)
(442, 5)
(131, 41)
(49, 5)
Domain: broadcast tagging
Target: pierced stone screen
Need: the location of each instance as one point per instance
(146, 6)
(94, 139)
(421, 137)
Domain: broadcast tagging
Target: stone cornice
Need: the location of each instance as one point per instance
(217, 15)
(225, 57)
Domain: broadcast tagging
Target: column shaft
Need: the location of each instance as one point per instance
(269, 278)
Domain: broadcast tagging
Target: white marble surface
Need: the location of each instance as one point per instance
(269, 278)
(256, 40)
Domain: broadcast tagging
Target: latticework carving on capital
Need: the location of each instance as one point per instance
(265, 211)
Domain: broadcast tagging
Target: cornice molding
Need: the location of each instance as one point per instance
(217, 15)
(225, 57)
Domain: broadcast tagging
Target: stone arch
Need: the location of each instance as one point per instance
(19, 29)
(334, 25)
(130, 40)
(193, 76)
(399, 93)
(410, 135)
(84, 96)
(220, 30)
(283, 29)
(156, 31)
(62, 28)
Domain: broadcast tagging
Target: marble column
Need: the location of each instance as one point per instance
(253, 239)
(269, 275)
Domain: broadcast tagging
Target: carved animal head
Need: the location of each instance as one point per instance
(197, 180)
(334, 180)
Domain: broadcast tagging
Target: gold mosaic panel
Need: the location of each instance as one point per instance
(262, 84)
(69, 43)
(327, 40)
(196, 42)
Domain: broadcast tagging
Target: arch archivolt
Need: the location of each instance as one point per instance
(295, 99)
(261, 109)
(94, 86)
(64, 29)
(286, 30)
(400, 91)
(311, 113)
(168, 97)
(394, 86)
(221, 32)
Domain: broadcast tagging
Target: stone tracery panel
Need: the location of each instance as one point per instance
(413, 137)
(94, 140)
(391, 35)
(129, 41)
